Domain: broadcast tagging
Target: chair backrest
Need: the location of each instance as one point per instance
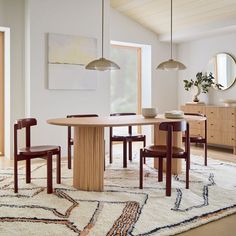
(193, 114)
(77, 116)
(82, 115)
(175, 126)
(123, 114)
(20, 124)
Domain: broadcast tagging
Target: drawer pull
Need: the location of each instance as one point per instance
(212, 124)
(232, 138)
(212, 112)
(232, 113)
(212, 136)
(232, 126)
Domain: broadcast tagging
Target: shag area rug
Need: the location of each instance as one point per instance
(122, 209)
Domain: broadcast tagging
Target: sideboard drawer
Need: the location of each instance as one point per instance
(213, 137)
(212, 113)
(197, 132)
(214, 124)
(196, 124)
(221, 125)
(228, 126)
(227, 113)
(222, 138)
(228, 138)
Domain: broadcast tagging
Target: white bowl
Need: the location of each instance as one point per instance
(149, 112)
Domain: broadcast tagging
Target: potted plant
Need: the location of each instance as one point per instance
(202, 83)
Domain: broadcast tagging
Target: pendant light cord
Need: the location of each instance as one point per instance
(171, 30)
(171, 64)
(102, 24)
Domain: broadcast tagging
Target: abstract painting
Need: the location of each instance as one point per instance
(67, 57)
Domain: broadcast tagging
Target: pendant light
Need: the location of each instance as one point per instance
(171, 64)
(102, 63)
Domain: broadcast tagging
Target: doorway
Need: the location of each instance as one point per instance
(1, 93)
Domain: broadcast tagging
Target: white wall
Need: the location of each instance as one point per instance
(196, 55)
(124, 29)
(12, 16)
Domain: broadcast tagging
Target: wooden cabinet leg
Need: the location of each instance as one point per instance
(234, 151)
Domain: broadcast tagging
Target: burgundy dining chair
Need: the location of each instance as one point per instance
(70, 141)
(126, 138)
(169, 152)
(199, 138)
(30, 152)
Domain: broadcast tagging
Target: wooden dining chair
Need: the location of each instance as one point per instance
(199, 138)
(127, 138)
(30, 152)
(70, 141)
(169, 152)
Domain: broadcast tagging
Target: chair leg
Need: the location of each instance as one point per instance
(15, 176)
(59, 167)
(28, 171)
(49, 173)
(124, 154)
(160, 170)
(141, 170)
(69, 156)
(144, 145)
(188, 164)
(205, 152)
(144, 160)
(168, 176)
(187, 172)
(110, 151)
(130, 151)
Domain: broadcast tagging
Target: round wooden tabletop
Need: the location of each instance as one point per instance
(109, 121)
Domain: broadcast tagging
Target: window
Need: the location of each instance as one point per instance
(126, 82)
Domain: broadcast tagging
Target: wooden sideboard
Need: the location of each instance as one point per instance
(221, 124)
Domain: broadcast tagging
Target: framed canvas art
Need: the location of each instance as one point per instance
(67, 57)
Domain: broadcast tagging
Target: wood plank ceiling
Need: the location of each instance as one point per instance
(188, 15)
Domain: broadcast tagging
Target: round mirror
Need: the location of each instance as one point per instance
(223, 68)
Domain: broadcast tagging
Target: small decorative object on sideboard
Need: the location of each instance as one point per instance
(202, 83)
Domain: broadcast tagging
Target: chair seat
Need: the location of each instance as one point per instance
(39, 150)
(161, 150)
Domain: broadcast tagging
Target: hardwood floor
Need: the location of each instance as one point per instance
(225, 226)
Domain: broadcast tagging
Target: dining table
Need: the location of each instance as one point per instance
(89, 148)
